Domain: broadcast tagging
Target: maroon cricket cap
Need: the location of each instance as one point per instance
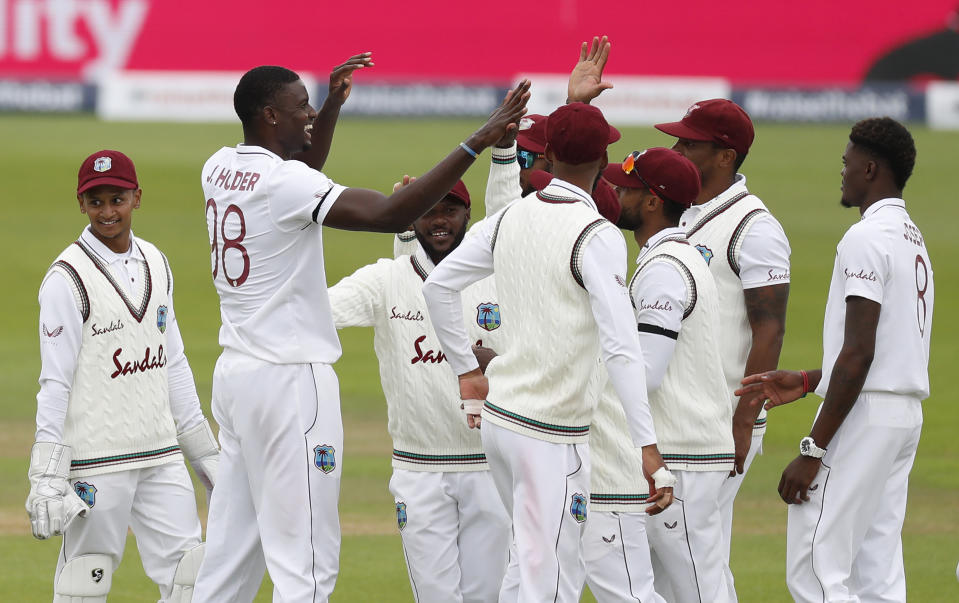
(459, 192)
(532, 133)
(666, 172)
(606, 199)
(106, 167)
(578, 133)
(717, 120)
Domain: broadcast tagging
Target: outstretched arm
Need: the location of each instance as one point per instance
(341, 83)
(362, 209)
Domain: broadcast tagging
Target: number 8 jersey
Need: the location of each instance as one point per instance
(883, 258)
(264, 218)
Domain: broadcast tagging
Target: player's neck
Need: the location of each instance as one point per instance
(886, 192)
(714, 188)
(650, 227)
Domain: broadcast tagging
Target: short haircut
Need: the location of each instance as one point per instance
(890, 141)
(257, 88)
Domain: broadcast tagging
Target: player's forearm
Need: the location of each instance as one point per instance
(845, 385)
(628, 381)
(766, 311)
(445, 307)
(502, 186)
(322, 136)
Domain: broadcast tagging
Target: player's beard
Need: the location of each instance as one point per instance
(437, 255)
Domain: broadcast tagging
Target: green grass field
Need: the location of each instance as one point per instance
(795, 169)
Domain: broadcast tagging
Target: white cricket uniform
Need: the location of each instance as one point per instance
(454, 528)
(559, 276)
(116, 387)
(745, 248)
(677, 312)
(275, 395)
(845, 544)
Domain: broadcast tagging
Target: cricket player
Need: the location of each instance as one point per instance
(117, 409)
(846, 490)
(275, 394)
(454, 528)
(748, 255)
(558, 270)
(677, 314)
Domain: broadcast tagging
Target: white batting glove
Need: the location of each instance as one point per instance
(201, 449)
(52, 504)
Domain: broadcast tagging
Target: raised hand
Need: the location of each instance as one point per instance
(586, 79)
(505, 118)
(341, 79)
(777, 387)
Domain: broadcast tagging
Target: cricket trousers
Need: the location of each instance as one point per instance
(455, 534)
(157, 503)
(727, 498)
(618, 566)
(845, 543)
(274, 506)
(545, 489)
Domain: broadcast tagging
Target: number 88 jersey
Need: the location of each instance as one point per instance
(264, 218)
(883, 258)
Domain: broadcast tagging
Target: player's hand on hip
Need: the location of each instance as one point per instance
(503, 119)
(473, 391)
(586, 79)
(775, 387)
(341, 78)
(796, 479)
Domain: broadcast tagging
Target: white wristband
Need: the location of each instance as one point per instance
(663, 478)
(473, 407)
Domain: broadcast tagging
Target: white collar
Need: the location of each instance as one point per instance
(252, 149)
(561, 189)
(738, 186)
(656, 239)
(423, 258)
(106, 254)
(889, 201)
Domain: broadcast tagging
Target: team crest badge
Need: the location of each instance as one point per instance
(487, 316)
(401, 515)
(577, 508)
(102, 164)
(86, 492)
(706, 252)
(324, 458)
(161, 318)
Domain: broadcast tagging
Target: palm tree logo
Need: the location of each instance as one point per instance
(487, 316)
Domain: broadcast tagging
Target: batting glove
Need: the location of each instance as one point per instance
(200, 448)
(52, 504)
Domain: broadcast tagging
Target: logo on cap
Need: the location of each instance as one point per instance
(526, 123)
(691, 109)
(102, 164)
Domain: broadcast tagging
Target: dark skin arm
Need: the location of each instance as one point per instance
(845, 384)
(341, 82)
(363, 209)
(766, 311)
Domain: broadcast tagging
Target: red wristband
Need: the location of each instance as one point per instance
(805, 383)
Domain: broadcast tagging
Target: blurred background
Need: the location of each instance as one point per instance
(155, 79)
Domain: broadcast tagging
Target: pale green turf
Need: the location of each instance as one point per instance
(795, 169)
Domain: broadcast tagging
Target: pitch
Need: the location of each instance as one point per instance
(795, 169)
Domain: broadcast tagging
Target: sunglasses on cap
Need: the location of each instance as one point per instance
(629, 167)
(525, 158)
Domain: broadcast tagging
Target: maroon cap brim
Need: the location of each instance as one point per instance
(529, 144)
(681, 130)
(614, 175)
(540, 179)
(107, 181)
(614, 135)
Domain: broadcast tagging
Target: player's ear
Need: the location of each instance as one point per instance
(136, 198)
(727, 157)
(269, 115)
(80, 201)
(872, 170)
(548, 154)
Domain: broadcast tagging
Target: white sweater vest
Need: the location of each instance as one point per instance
(539, 387)
(691, 409)
(718, 235)
(426, 424)
(118, 413)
